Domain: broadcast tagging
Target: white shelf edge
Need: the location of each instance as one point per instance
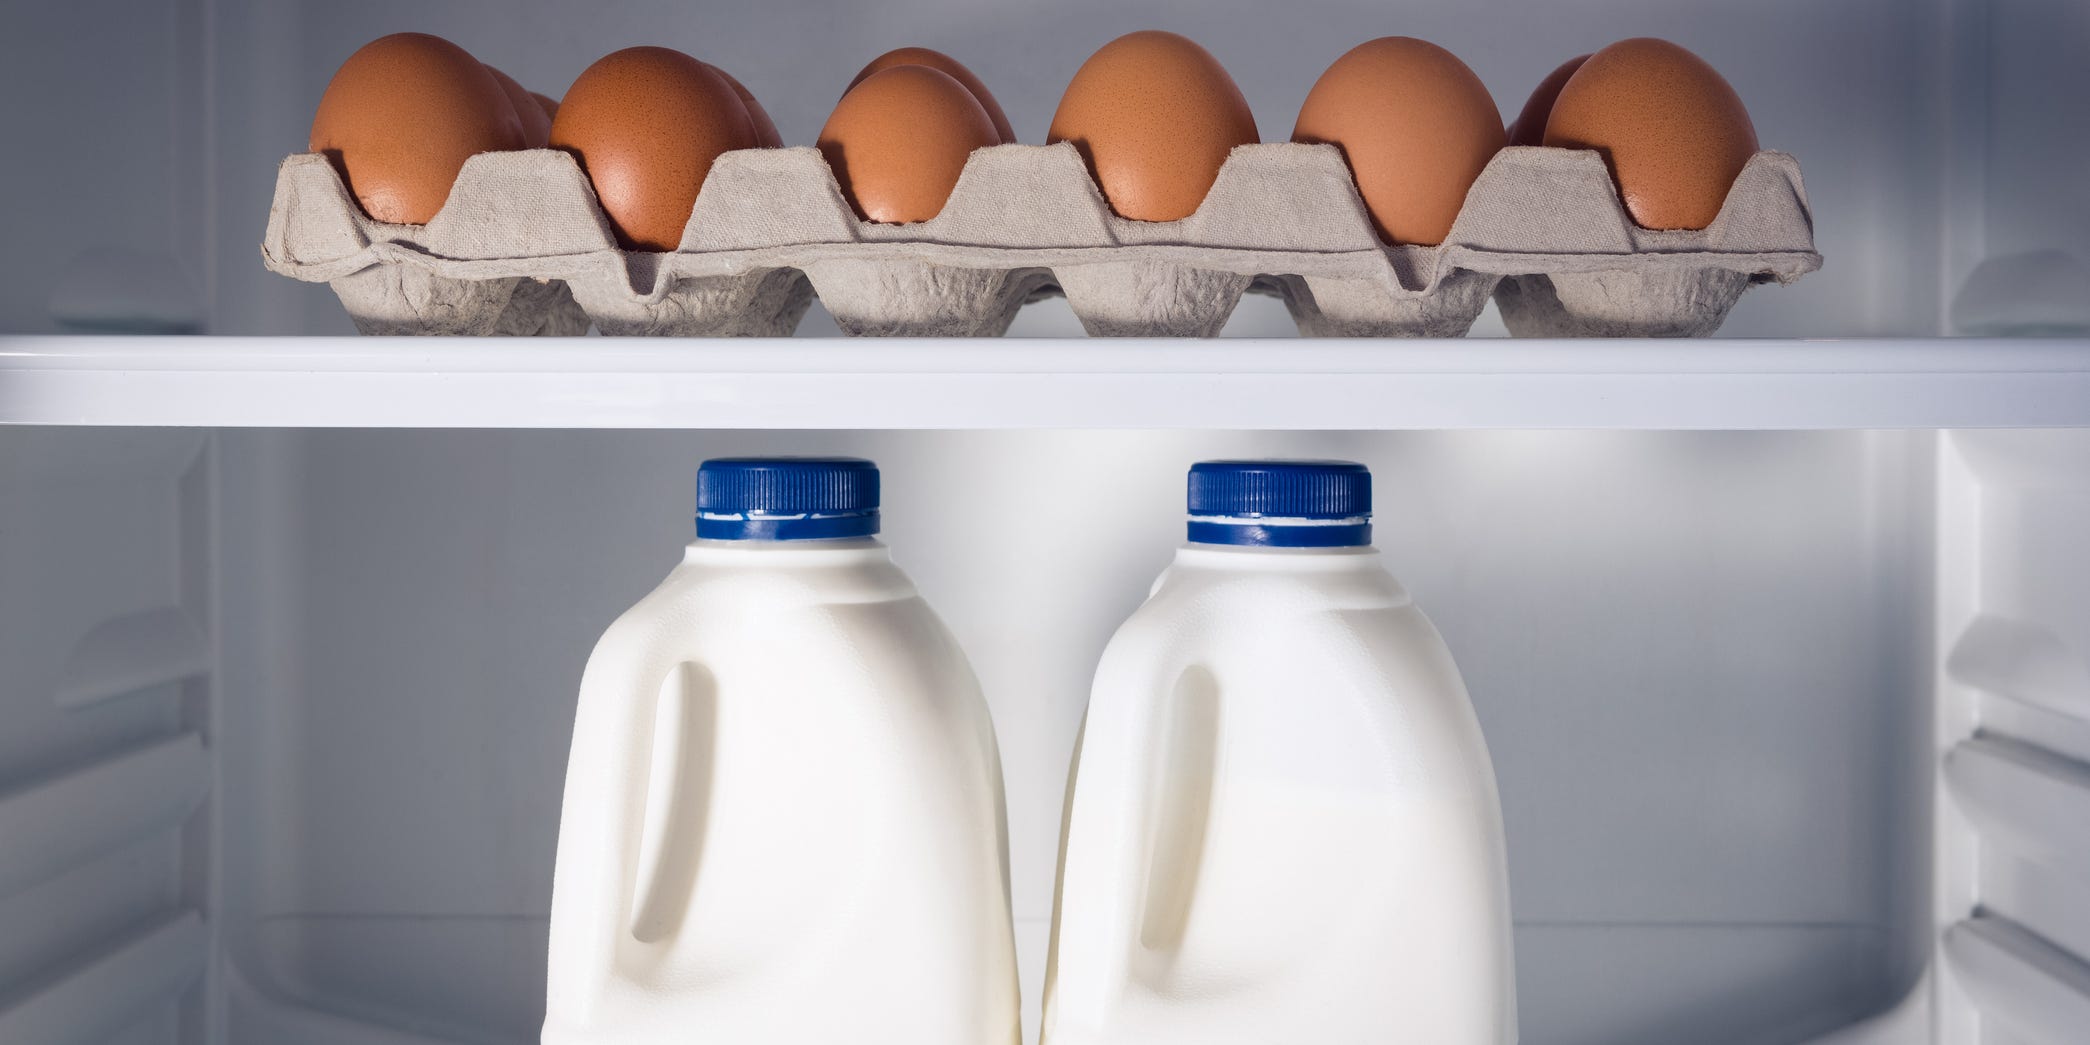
(131, 653)
(62, 822)
(1055, 383)
(2019, 979)
(102, 995)
(2031, 801)
(2023, 660)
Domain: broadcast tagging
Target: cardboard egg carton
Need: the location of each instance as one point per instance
(521, 247)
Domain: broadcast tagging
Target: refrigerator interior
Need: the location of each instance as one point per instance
(1792, 727)
(287, 710)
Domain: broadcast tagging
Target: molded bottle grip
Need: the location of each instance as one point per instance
(603, 818)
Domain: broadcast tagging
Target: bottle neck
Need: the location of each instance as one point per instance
(839, 550)
(1267, 558)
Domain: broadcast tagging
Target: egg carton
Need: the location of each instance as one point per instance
(521, 247)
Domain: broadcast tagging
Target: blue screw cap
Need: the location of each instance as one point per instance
(786, 498)
(1281, 504)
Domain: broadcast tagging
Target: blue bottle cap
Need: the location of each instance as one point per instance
(1281, 504)
(786, 498)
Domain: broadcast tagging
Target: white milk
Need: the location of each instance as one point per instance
(783, 819)
(1282, 824)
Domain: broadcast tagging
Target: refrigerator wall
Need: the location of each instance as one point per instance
(2013, 875)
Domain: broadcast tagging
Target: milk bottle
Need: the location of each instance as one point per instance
(783, 817)
(1282, 824)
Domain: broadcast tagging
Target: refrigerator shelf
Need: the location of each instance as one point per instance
(1043, 383)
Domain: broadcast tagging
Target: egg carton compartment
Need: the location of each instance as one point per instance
(1621, 280)
(521, 246)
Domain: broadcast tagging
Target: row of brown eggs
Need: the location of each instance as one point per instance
(1152, 114)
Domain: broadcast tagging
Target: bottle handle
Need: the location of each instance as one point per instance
(1183, 751)
(596, 878)
(1143, 773)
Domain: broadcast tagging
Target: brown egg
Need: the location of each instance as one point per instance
(550, 107)
(536, 123)
(1672, 130)
(400, 118)
(943, 63)
(1529, 128)
(765, 131)
(1416, 127)
(645, 123)
(899, 139)
(1154, 116)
